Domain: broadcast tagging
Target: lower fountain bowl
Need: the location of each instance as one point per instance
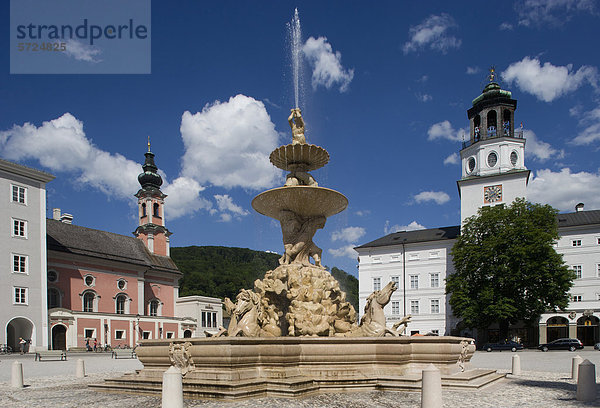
(305, 201)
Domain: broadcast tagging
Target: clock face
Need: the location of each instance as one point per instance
(492, 194)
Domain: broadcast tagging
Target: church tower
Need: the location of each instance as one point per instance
(493, 159)
(151, 201)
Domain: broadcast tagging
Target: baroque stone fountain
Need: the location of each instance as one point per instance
(295, 334)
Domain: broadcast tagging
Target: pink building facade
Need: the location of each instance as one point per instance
(112, 289)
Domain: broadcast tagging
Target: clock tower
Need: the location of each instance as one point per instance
(493, 166)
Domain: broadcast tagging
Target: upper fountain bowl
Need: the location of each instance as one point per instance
(302, 200)
(292, 156)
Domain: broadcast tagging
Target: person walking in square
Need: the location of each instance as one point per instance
(95, 344)
(22, 345)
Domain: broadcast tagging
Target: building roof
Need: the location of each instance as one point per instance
(69, 238)
(25, 171)
(439, 234)
(409, 237)
(578, 218)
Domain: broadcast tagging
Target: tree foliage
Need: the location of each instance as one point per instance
(506, 268)
(222, 271)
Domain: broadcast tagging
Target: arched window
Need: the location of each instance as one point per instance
(143, 209)
(476, 127)
(155, 210)
(120, 304)
(53, 298)
(89, 299)
(492, 123)
(506, 122)
(153, 308)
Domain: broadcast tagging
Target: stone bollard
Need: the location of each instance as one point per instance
(575, 366)
(516, 365)
(586, 381)
(80, 372)
(172, 388)
(17, 375)
(431, 388)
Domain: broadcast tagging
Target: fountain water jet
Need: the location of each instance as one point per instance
(295, 40)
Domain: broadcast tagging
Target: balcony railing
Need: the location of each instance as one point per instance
(492, 133)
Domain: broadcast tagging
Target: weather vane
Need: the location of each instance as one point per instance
(148, 143)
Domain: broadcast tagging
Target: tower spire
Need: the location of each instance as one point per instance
(151, 200)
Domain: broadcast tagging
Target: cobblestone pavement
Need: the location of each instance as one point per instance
(532, 389)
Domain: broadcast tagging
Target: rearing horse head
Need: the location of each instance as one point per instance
(245, 301)
(383, 296)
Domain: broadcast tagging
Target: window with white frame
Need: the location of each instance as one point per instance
(19, 194)
(435, 280)
(376, 284)
(435, 306)
(396, 280)
(598, 270)
(577, 270)
(120, 302)
(20, 296)
(89, 333)
(598, 240)
(577, 298)
(376, 259)
(146, 335)
(434, 255)
(120, 334)
(89, 301)
(395, 307)
(413, 257)
(435, 332)
(414, 281)
(576, 242)
(153, 308)
(19, 228)
(395, 258)
(414, 307)
(209, 319)
(19, 263)
(170, 335)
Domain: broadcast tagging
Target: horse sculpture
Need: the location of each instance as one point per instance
(372, 323)
(247, 317)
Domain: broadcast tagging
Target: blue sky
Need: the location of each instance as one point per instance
(386, 89)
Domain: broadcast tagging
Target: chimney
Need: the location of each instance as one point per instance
(579, 207)
(56, 214)
(66, 218)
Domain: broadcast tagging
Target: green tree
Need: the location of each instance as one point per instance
(506, 268)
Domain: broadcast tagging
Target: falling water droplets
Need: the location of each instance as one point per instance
(295, 41)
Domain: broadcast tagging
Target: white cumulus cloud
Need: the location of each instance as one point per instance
(582, 187)
(424, 97)
(227, 208)
(82, 52)
(544, 13)
(346, 251)
(413, 226)
(348, 234)
(432, 33)
(444, 130)
(439, 197)
(472, 70)
(548, 82)
(591, 123)
(454, 158)
(326, 65)
(540, 150)
(61, 145)
(506, 26)
(228, 144)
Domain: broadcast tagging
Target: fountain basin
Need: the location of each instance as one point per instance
(306, 201)
(239, 367)
(308, 156)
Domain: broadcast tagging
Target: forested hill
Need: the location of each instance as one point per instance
(223, 271)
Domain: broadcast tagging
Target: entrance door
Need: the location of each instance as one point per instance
(587, 330)
(16, 329)
(59, 337)
(557, 328)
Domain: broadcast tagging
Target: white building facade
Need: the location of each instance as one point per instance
(23, 309)
(493, 173)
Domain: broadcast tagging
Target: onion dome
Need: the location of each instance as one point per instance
(150, 179)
